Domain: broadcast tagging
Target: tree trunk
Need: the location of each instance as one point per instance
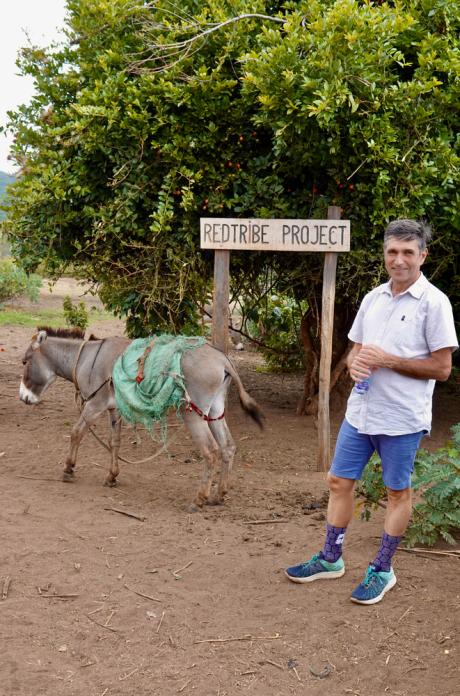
(310, 384)
(312, 406)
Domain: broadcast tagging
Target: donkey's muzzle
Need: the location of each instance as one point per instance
(27, 395)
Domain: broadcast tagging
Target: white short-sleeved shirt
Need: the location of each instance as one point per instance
(413, 324)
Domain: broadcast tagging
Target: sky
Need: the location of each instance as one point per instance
(41, 20)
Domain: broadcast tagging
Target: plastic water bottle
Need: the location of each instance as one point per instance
(362, 387)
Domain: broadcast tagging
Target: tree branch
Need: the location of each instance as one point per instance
(169, 49)
(250, 338)
(216, 27)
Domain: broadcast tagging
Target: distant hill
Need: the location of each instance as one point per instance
(5, 179)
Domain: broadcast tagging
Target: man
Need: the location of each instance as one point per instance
(403, 339)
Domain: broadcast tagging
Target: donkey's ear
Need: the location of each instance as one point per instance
(39, 339)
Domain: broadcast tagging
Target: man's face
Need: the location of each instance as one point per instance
(403, 261)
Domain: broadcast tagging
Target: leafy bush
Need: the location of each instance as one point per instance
(371, 490)
(276, 324)
(75, 314)
(437, 478)
(15, 282)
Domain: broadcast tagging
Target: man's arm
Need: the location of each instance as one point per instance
(437, 365)
(353, 353)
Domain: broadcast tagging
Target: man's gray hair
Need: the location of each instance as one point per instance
(407, 230)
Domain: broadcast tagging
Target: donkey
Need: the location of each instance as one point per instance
(88, 364)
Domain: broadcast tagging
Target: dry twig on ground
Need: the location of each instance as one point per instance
(127, 513)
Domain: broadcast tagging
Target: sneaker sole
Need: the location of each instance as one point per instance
(379, 597)
(327, 575)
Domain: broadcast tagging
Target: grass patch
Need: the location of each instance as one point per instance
(43, 317)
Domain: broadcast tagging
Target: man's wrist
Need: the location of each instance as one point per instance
(392, 362)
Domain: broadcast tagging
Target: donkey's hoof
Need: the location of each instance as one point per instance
(217, 500)
(68, 476)
(111, 483)
(193, 507)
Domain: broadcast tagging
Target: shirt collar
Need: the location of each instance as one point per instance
(416, 289)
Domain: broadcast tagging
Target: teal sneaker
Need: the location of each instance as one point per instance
(316, 569)
(375, 584)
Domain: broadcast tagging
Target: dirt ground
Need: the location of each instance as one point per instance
(160, 602)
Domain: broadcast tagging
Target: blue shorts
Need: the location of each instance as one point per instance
(397, 452)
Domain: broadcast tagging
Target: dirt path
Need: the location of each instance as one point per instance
(101, 603)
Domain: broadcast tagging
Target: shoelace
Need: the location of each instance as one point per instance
(370, 574)
(313, 559)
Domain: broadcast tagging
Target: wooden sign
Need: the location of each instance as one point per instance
(260, 234)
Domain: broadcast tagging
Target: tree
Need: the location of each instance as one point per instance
(153, 114)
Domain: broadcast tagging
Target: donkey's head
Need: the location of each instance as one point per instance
(38, 372)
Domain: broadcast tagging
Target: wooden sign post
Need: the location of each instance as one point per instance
(328, 236)
(327, 328)
(220, 299)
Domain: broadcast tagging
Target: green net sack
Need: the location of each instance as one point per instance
(162, 388)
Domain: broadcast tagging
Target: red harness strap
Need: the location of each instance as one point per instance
(193, 407)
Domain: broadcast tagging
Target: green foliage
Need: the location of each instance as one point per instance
(4, 246)
(75, 314)
(371, 490)
(437, 479)
(134, 133)
(276, 324)
(15, 282)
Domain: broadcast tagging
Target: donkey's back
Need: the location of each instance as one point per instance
(96, 361)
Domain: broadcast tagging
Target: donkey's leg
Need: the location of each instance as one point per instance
(76, 436)
(202, 435)
(115, 436)
(88, 416)
(223, 437)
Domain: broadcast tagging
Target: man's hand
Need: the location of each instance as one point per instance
(358, 367)
(374, 356)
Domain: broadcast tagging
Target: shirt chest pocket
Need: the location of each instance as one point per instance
(409, 334)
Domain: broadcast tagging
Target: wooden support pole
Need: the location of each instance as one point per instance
(220, 304)
(327, 327)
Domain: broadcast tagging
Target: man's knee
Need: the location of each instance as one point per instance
(399, 496)
(339, 485)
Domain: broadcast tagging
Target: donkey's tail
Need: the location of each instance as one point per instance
(248, 404)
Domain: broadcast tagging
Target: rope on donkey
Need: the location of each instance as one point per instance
(80, 401)
(141, 362)
(156, 454)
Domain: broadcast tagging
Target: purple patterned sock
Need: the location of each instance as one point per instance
(332, 549)
(387, 549)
